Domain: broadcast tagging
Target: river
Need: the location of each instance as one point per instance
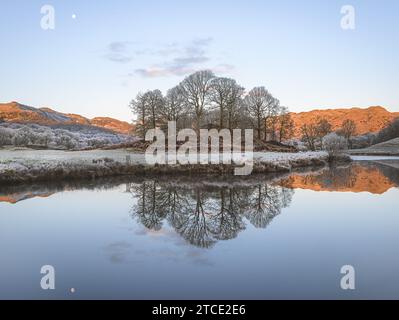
(259, 237)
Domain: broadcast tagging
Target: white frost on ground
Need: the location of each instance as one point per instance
(62, 137)
(56, 156)
(373, 158)
(283, 157)
(36, 163)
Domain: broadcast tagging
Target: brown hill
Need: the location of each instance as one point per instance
(112, 124)
(372, 119)
(15, 112)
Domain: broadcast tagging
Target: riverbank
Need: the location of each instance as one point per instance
(371, 152)
(13, 193)
(387, 148)
(25, 165)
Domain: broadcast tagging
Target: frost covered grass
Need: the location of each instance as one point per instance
(60, 137)
(31, 165)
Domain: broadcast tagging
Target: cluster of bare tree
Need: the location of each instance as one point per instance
(313, 134)
(205, 214)
(203, 100)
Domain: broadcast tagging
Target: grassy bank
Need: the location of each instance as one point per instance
(387, 148)
(25, 165)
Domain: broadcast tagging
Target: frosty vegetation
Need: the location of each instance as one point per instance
(314, 136)
(66, 137)
(333, 142)
(36, 165)
(205, 101)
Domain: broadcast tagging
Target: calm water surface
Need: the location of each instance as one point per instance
(212, 238)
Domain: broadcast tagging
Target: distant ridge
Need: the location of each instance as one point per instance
(16, 112)
(371, 119)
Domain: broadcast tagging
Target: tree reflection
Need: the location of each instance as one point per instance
(227, 220)
(204, 213)
(264, 204)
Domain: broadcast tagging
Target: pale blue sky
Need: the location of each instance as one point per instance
(95, 64)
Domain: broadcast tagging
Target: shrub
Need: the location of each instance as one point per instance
(333, 142)
(5, 137)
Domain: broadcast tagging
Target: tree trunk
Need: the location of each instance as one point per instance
(198, 125)
(265, 130)
(221, 116)
(153, 118)
(229, 125)
(143, 124)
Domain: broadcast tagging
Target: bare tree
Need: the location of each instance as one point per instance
(309, 135)
(323, 128)
(154, 102)
(219, 96)
(196, 90)
(173, 108)
(225, 94)
(348, 130)
(285, 125)
(272, 110)
(235, 109)
(147, 108)
(189, 104)
(261, 105)
(138, 107)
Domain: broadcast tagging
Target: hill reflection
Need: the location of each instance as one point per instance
(375, 178)
(205, 210)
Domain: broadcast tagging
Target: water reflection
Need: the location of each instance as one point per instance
(155, 224)
(204, 213)
(376, 178)
(206, 210)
